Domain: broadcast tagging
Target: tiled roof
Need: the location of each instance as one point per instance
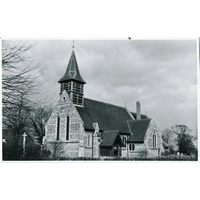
(110, 137)
(108, 116)
(72, 72)
(138, 129)
(142, 116)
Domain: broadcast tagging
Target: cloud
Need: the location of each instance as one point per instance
(161, 74)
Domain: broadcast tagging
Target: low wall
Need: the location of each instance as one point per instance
(88, 152)
(152, 152)
(63, 149)
(123, 152)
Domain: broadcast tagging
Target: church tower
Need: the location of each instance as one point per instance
(72, 82)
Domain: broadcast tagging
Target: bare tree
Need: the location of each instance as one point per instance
(16, 118)
(20, 79)
(39, 118)
(180, 129)
(167, 135)
(20, 75)
(20, 84)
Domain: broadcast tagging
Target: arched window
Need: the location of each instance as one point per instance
(154, 140)
(58, 128)
(67, 128)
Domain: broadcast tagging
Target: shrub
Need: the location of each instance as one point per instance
(13, 150)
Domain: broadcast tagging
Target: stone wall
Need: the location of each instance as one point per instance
(139, 150)
(96, 150)
(96, 140)
(124, 149)
(88, 152)
(63, 149)
(148, 140)
(124, 152)
(73, 147)
(153, 152)
(88, 146)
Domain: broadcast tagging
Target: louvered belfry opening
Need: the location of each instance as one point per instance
(72, 82)
(74, 90)
(65, 86)
(77, 96)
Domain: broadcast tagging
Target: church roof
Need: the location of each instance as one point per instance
(110, 137)
(72, 72)
(142, 116)
(138, 128)
(108, 116)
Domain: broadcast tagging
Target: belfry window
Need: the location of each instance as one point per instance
(58, 128)
(77, 87)
(154, 140)
(65, 86)
(77, 98)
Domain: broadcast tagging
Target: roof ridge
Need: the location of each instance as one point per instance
(114, 105)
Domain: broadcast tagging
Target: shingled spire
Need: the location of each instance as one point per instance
(72, 72)
(72, 81)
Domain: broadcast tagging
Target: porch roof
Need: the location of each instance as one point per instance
(109, 138)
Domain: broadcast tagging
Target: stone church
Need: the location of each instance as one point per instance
(82, 127)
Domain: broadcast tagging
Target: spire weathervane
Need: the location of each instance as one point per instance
(73, 45)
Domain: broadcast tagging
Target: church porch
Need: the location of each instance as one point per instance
(111, 144)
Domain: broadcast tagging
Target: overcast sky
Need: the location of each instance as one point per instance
(161, 74)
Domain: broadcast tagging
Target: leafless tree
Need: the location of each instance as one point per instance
(39, 118)
(17, 116)
(20, 75)
(180, 129)
(167, 135)
(20, 82)
(20, 86)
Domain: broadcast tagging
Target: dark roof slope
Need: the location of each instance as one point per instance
(108, 116)
(138, 129)
(109, 137)
(72, 72)
(142, 116)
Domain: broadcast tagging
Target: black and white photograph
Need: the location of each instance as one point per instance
(99, 99)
